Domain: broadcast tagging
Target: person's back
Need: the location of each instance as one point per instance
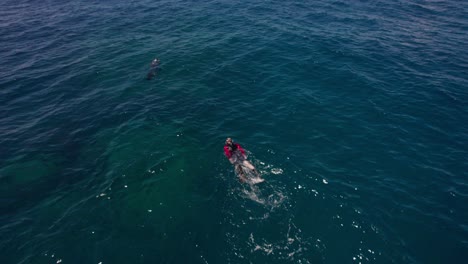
(233, 150)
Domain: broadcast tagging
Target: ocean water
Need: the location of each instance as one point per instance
(355, 113)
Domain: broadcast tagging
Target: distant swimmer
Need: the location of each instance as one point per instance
(154, 68)
(236, 155)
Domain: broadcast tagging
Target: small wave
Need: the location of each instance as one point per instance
(291, 246)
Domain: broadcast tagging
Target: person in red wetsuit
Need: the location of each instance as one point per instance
(236, 155)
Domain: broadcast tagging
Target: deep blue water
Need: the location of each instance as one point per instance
(355, 112)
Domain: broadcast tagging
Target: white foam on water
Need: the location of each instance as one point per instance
(252, 195)
(261, 203)
(277, 171)
(288, 249)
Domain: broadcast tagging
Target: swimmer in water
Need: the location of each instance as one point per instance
(236, 155)
(154, 68)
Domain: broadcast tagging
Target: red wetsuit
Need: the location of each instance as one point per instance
(234, 147)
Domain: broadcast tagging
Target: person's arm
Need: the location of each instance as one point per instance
(241, 150)
(228, 155)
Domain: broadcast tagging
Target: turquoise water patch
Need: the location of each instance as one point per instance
(21, 174)
(28, 179)
(147, 169)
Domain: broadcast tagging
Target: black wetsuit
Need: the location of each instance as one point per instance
(153, 70)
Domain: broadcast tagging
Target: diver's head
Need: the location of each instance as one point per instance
(229, 141)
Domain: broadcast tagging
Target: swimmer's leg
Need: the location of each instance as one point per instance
(250, 166)
(240, 173)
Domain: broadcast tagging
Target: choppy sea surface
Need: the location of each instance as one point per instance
(355, 113)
